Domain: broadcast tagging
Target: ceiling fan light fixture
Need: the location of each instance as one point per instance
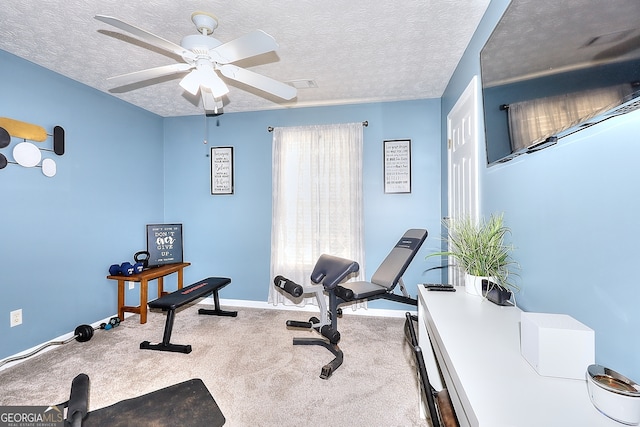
(191, 83)
(211, 104)
(205, 77)
(215, 84)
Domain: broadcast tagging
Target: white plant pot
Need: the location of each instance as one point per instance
(473, 284)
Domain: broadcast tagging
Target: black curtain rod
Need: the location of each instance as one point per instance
(365, 124)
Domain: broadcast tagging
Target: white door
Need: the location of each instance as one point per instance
(462, 148)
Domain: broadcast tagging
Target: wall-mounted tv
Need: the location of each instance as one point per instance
(164, 244)
(551, 68)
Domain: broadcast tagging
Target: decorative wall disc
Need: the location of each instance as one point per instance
(26, 154)
(5, 138)
(49, 167)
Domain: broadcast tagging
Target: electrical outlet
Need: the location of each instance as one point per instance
(16, 318)
(132, 285)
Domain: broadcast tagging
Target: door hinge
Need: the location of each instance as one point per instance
(449, 144)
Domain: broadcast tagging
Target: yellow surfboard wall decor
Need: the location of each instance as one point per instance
(23, 129)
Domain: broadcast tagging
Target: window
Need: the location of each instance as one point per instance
(317, 200)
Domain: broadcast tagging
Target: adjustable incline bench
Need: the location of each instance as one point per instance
(389, 274)
(328, 275)
(177, 299)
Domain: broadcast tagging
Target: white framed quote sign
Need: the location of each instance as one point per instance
(397, 166)
(221, 170)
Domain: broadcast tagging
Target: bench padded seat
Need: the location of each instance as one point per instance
(189, 293)
(390, 272)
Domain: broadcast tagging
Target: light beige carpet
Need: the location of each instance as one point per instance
(248, 363)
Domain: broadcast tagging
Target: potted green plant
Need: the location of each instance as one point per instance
(479, 249)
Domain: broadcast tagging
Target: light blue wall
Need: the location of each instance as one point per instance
(572, 209)
(229, 235)
(60, 234)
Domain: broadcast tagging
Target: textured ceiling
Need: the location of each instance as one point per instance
(542, 37)
(356, 51)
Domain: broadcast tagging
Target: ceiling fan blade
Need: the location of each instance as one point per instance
(207, 78)
(259, 81)
(210, 103)
(146, 36)
(255, 43)
(150, 73)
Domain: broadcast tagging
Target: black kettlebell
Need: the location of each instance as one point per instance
(142, 257)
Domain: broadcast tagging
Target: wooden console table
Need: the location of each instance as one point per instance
(143, 278)
(477, 347)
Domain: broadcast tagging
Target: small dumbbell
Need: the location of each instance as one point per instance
(114, 270)
(138, 267)
(114, 321)
(126, 269)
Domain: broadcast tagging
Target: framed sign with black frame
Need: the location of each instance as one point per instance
(221, 170)
(164, 244)
(397, 166)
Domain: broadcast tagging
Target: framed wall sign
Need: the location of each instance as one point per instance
(164, 244)
(221, 170)
(397, 166)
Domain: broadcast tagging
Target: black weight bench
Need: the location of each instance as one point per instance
(177, 299)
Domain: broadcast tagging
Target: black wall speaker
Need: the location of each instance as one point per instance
(58, 140)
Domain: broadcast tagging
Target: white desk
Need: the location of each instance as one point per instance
(477, 346)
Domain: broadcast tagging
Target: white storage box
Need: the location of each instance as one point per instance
(556, 345)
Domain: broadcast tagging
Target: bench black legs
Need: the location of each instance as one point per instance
(165, 345)
(177, 299)
(217, 311)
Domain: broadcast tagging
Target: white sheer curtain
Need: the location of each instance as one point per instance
(317, 201)
(536, 120)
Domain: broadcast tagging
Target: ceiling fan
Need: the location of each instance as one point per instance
(205, 56)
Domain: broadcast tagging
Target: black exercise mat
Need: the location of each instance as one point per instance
(187, 404)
